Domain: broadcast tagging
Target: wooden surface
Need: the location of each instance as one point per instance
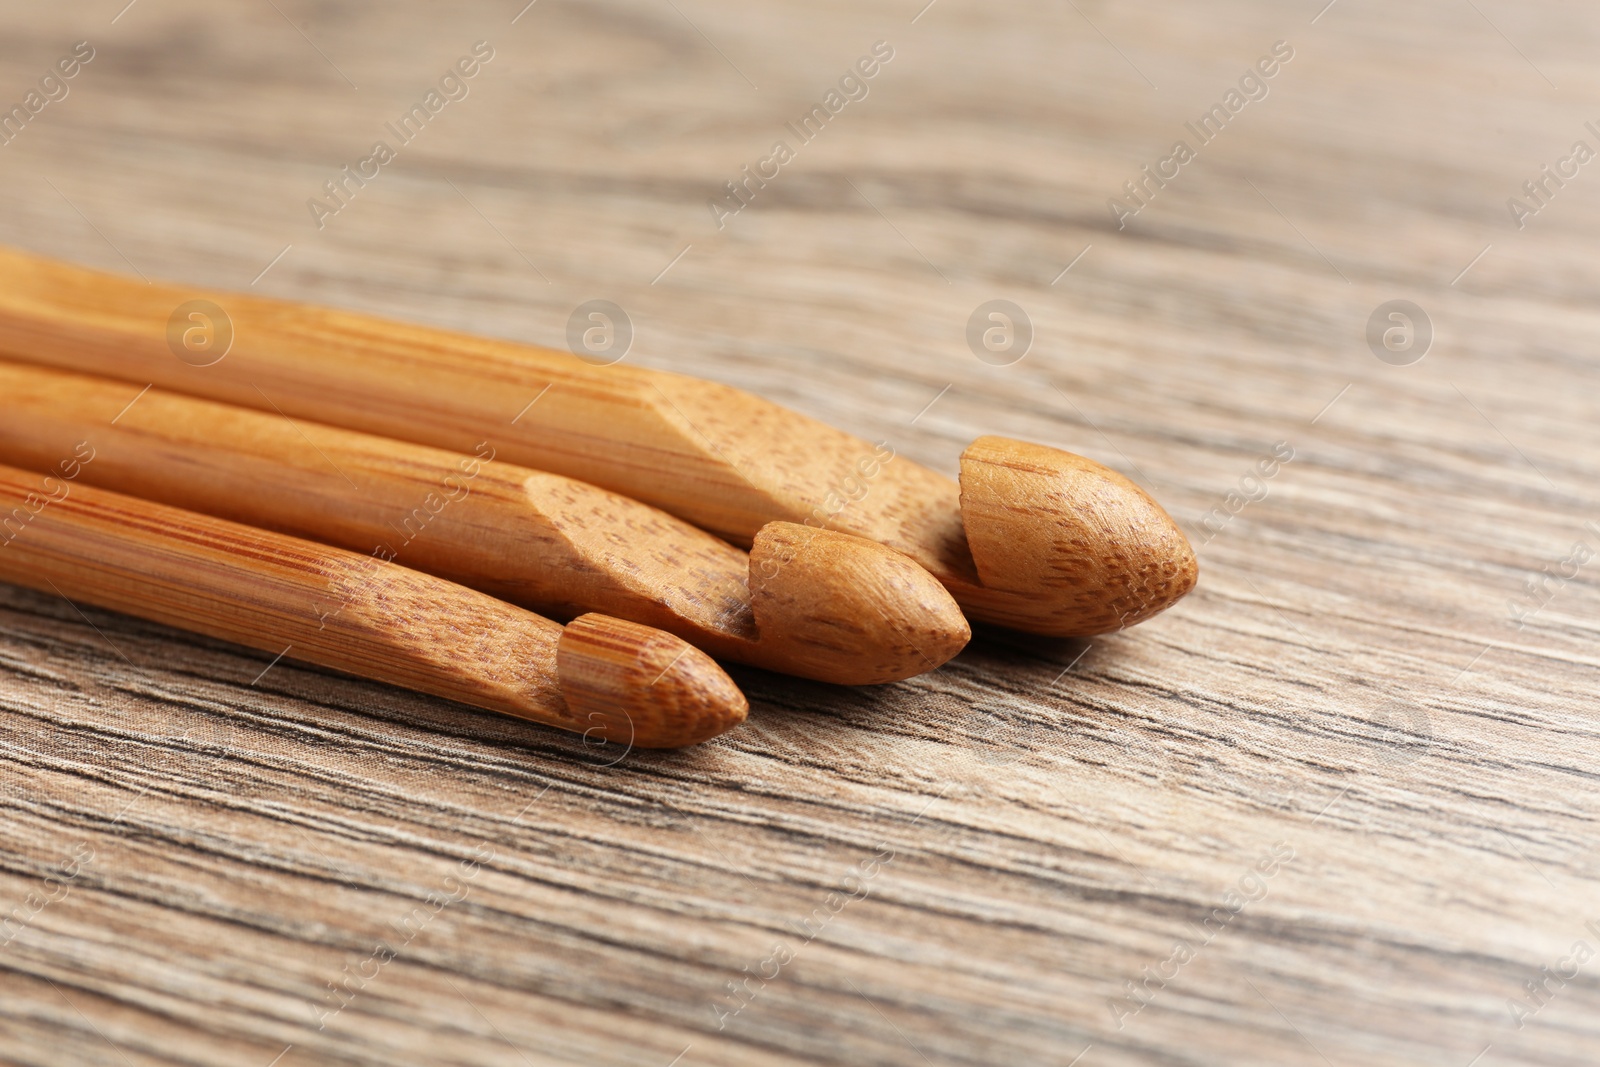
(1020, 833)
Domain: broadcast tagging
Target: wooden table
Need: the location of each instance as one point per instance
(1336, 807)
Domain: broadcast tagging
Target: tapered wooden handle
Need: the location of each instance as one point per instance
(820, 604)
(338, 609)
(720, 458)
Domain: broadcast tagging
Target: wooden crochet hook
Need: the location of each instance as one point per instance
(1032, 537)
(599, 676)
(805, 601)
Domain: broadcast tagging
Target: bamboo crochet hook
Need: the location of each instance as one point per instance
(1032, 537)
(810, 602)
(599, 676)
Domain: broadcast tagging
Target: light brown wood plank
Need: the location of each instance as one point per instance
(1059, 813)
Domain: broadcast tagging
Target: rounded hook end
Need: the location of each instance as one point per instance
(642, 687)
(840, 608)
(1063, 545)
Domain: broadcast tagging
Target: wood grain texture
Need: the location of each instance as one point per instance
(1060, 545)
(816, 603)
(1041, 821)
